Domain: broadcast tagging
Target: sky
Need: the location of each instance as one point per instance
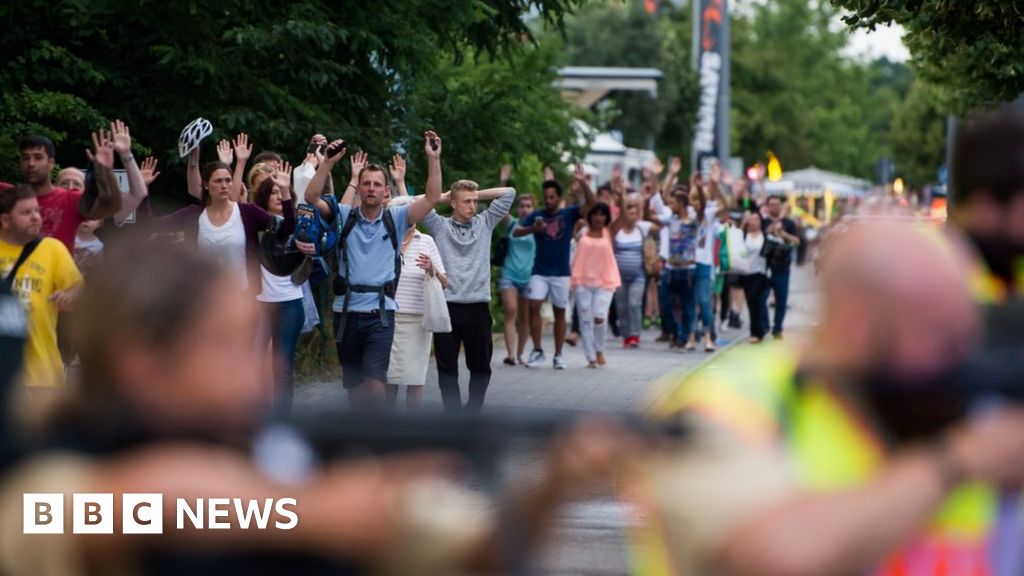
(884, 41)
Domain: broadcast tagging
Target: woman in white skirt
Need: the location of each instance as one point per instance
(410, 350)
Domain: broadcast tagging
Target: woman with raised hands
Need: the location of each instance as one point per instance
(227, 229)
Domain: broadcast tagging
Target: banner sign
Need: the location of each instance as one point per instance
(712, 50)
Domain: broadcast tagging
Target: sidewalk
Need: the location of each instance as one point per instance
(625, 384)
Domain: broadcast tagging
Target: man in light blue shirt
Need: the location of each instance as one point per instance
(364, 306)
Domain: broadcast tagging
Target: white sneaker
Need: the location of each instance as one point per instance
(559, 362)
(536, 359)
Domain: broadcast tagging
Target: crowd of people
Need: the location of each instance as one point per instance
(885, 445)
(684, 248)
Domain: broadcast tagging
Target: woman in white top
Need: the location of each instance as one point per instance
(410, 349)
(280, 298)
(755, 281)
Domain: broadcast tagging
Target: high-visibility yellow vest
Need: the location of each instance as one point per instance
(753, 392)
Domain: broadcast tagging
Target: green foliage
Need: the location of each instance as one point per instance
(796, 94)
(281, 72)
(609, 33)
(919, 135)
(972, 49)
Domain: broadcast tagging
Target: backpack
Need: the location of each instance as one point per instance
(501, 248)
(342, 287)
(311, 228)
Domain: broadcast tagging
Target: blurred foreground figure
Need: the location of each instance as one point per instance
(852, 455)
(170, 395)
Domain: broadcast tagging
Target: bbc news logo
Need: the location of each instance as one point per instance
(144, 513)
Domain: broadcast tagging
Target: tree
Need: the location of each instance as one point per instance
(919, 135)
(278, 71)
(796, 94)
(624, 34)
(971, 49)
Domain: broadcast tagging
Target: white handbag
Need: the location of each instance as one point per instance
(435, 308)
(739, 260)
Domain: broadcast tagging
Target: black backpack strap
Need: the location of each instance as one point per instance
(26, 251)
(389, 226)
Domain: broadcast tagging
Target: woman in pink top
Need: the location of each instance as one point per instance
(595, 276)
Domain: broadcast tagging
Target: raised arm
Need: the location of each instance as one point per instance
(589, 198)
(195, 179)
(619, 222)
(314, 191)
(358, 161)
(137, 187)
(425, 203)
(501, 205)
(398, 175)
(106, 200)
(243, 149)
(675, 166)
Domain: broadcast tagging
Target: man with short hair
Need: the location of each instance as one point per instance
(464, 242)
(46, 279)
(368, 266)
(552, 228)
(783, 227)
(62, 210)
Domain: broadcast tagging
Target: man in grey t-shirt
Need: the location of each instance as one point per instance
(464, 241)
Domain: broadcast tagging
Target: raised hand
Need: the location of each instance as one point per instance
(397, 169)
(243, 148)
(332, 158)
(321, 142)
(658, 167)
(675, 165)
(618, 185)
(506, 173)
(432, 144)
(121, 137)
(104, 150)
(358, 161)
(283, 178)
(148, 169)
(549, 173)
(224, 152)
(716, 172)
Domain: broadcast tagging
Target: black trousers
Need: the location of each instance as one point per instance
(755, 288)
(471, 329)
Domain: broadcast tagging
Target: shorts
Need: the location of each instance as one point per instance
(732, 280)
(364, 350)
(523, 288)
(410, 351)
(555, 288)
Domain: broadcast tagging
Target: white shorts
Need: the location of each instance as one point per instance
(410, 351)
(554, 287)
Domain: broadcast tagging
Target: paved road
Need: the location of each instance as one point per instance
(589, 536)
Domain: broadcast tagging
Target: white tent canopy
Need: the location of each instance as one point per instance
(814, 181)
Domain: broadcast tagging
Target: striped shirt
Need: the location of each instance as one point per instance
(629, 251)
(409, 295)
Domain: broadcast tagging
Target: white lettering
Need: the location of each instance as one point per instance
(253, 510)
(710, 80)
(218, 508)
(290, 514)
(195, 516)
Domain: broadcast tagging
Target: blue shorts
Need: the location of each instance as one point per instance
(364, 350)
(505, 283)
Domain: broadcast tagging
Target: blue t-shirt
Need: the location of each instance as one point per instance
(519, 260)
(371, 259)
(553, 242)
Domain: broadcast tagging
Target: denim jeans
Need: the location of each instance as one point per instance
(705, 278)
(682, 285)
(285, 320)
(666, 302)
(778, 283)
(629, 303)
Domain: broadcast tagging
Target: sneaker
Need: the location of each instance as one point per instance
(777, 335)
(559, 362)
(536, 359)
(735, 321)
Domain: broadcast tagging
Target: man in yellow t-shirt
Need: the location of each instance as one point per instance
(46, 281)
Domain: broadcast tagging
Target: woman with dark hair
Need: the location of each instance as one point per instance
(755, 280)
(226, 229)
(281, 298)
(595, 276)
